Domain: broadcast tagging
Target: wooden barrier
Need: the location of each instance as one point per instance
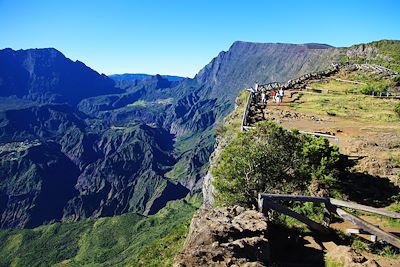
(348, 81)
(245, 113)
(266, 201)
(323, 135)
(284, 210)
(366, 226)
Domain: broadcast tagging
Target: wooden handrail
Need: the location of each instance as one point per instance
(356, 206)
(348, 81)
(294, 198)
(388, 237)
(332, 204)
(244, 119)
(323, 135)
(282, 209)
(333, 201)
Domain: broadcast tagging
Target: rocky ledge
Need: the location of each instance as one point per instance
(230, 236)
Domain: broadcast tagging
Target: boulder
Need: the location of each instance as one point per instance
(232, 236)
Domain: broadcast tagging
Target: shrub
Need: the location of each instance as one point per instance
(274, 160)
(379, 87)
(366, 89)
(397, 109)
(396, 80)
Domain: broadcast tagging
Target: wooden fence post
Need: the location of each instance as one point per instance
(282, 209)
(392, 239)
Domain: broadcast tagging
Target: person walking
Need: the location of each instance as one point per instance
(273, 94)
(281, 93)
(256, 92)
(263, 97)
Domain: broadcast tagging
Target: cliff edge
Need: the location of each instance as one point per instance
(229, 236)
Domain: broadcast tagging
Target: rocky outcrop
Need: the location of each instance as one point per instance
(348, 257)
(367, 52)
(372, 68)
(230, 236)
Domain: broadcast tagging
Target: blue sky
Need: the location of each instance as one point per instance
(181, 36)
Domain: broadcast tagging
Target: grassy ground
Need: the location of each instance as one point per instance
(336, 85)
(358, 107)
(368, 83)
(125, 240)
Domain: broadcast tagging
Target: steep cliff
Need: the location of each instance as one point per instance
(57, 164)
(230, 236)
(47, 76)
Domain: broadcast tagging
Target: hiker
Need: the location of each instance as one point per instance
(281, 93)
(256, 93)
(253, 92)
(289, 84)
(277, 99)
(263, 97)
(273, 94)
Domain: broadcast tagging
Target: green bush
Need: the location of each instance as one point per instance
(379, 87)
(271, 159)
(397, 109)
(396, 80)
(367, 89)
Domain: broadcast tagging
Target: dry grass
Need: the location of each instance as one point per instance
(358, 107)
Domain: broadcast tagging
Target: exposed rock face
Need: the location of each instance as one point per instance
(230, 236)
(55, 164)
(362, 51)
(244, 63)
(366, 51)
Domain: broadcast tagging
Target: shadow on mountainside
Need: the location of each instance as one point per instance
(290, 247)
(293, 247)
(366, 189)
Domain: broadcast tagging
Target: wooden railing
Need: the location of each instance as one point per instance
(329, 136)
(267, 202)
(316, 90)
(246, 110)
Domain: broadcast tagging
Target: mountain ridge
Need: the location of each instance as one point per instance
(114, 138)
(47, 76)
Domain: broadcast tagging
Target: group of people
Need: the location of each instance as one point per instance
(277, 95)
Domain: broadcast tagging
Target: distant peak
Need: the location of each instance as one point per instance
(318, 46)
(240, 44)
(50, 51)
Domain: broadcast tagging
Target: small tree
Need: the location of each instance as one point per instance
(270, 159)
